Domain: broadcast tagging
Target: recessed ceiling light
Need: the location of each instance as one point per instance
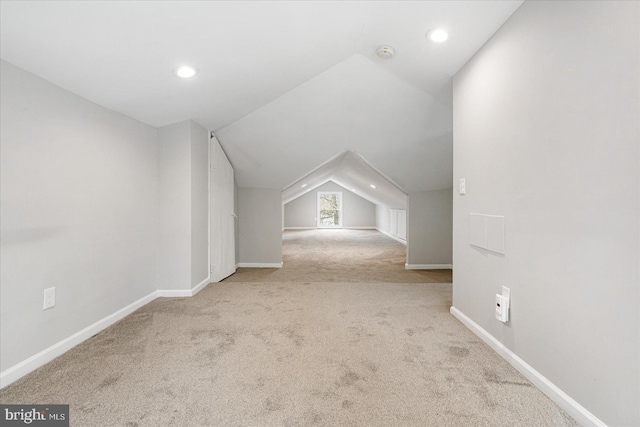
(437, 35)
(385, 52)
(372, 186)
(185, 71)
(303, 185)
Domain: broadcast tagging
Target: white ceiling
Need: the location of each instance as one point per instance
(356, 105)
(285, 85)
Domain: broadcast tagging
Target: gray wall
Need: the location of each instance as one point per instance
(199, 203)
(184, 205)
(260, 225)
(546, 133)
(356, 211)
(78, 207)
(429, 227)
(174, 265)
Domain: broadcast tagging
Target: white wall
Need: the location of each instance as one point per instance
(546, 133)
(260, 226)
(79, 212)
(429, 228)
(356, 211)
(183, 182)
(237, 224)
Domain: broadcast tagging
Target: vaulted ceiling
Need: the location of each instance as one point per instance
(351, 171)
(285, 85)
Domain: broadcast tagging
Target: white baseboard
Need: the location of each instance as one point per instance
(174, 293)
(48, 354)
(181, 293)
(365, 227)
(404, 242)
(200, 286)
(570, 406)
(428, 266)
(237, 265)
(260, 265)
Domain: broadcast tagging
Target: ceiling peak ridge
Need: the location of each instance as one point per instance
(283, 94)
(341, 155)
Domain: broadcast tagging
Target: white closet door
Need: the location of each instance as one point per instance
(398, 223)
(402, 224)
(221, 215)
(393, 221)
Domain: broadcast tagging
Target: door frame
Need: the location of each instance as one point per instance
(212, 152)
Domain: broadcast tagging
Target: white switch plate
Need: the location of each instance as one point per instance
(463, 186)
(49, 298)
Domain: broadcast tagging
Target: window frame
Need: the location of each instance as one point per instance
(341, 210)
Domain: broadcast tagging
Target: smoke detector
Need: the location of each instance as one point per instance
(385, 52)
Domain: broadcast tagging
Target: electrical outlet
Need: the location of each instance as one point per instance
(463, 186)
(501, 306)
(503, 303)
(49, 298)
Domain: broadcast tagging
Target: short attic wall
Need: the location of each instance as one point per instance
(259, 233)
(357, 212)
(429, 229)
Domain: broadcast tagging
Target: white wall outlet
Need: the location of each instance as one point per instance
(463, 186)
(49, 298)
(500, 308)
(502, 304)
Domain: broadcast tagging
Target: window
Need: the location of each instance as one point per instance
(329, 209)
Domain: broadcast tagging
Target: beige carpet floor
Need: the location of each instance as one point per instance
(338, 255)
(336, 352)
